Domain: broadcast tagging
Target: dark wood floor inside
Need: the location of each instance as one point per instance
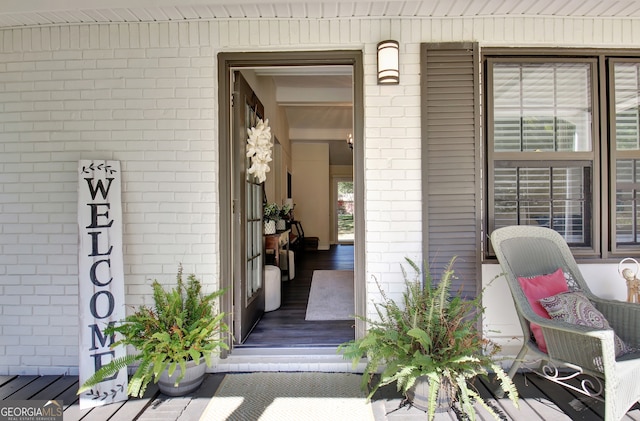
(287, 327)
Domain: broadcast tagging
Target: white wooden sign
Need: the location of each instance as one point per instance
(100, 276)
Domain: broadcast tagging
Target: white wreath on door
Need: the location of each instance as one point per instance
(259, 147)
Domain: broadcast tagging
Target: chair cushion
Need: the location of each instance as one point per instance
(536, 288)
(575, 308)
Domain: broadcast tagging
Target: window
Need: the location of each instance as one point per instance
(563, 154)
(625, 160)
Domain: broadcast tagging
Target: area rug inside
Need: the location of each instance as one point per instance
(331, 295)
(289, 396)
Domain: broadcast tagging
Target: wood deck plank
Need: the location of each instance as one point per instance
(10, 388)
(72, 411)
(578, 407)
(135, 406)
(31, 389)
(201, 397)
(486, 388)
(538, 401)
(165, 407)
(70, 397)
(99, 413)
(481, 412)
(6, 379)
(522, 412)
(58, 388)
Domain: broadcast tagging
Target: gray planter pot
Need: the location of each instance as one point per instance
(418, 395)
(191, 381)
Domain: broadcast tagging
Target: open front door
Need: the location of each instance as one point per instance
(233, 248)
(247, 236)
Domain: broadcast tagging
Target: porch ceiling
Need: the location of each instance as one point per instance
(21, 13)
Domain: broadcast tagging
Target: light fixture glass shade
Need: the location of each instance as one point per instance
(388, 63)
(350, 141)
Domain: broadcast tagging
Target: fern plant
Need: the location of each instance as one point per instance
(183, 325)
(432, 334)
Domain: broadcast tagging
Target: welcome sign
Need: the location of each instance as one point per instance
(100, 276)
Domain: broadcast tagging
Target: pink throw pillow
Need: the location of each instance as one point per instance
(537, 288)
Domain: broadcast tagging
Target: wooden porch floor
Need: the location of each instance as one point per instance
(540, 400)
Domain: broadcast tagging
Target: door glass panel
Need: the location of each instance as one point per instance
(248, 291)
(253, 222)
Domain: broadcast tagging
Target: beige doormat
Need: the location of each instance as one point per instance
(289, 396)
(331, 295)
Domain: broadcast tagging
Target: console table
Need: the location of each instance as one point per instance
(277, 242)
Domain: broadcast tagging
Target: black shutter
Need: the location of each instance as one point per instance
(451, 161)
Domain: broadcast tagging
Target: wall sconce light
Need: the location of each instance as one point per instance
(350, 141)
(388, 63)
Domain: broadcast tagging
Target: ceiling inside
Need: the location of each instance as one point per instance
(317, 100)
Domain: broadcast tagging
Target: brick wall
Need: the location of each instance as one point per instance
(146, 94)
(143, 95)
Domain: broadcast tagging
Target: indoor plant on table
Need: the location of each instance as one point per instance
(175, 339)
(284, 215)
(428, 343)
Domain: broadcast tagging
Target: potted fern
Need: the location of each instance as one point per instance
(429, 345)
(175, 339)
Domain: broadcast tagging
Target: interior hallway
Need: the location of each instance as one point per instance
(286, 327)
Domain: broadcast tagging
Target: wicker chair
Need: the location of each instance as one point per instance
(588, 353)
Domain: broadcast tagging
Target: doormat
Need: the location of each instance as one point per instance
(331, 295)
(289, 396)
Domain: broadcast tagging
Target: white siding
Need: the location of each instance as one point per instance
(146, 94)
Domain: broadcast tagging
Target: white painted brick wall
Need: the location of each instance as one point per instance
(146, 94)
(148, 107)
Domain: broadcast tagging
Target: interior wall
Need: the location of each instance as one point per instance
(310, 188)
(284, 157)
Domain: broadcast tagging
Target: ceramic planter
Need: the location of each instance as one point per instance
(191, 381)
(269, 227)
(418, 395)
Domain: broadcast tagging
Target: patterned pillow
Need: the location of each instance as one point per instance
(575, 308)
